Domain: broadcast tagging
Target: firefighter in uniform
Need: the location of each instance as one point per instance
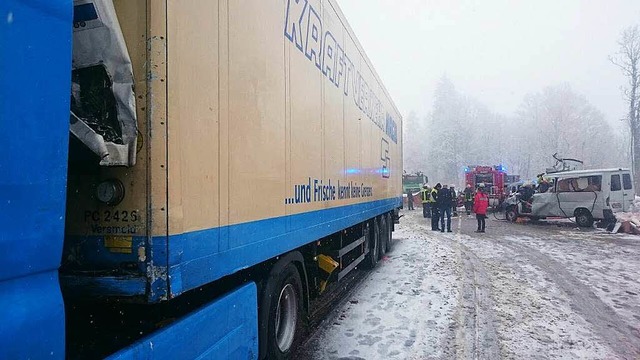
(468, 199)
(526, 195)
(435, 214)
(425, 196)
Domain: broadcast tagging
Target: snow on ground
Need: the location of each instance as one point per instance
(535, 315)
(516, 292)
(407, 301)
(607, 269)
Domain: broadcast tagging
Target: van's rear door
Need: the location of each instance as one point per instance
(628, 191)
(616, 196)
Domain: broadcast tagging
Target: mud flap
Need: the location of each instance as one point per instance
(103, 108)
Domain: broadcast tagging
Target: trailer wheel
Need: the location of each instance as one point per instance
(285, 321)
(388, 233)
(584, 218)
(383, 236)
(371, 260)
(511, 213)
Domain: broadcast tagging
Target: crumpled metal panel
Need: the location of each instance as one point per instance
(564, 204)
(98, 41)
(545, 205)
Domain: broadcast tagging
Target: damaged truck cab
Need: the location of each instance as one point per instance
(103, 103)
(107, 220)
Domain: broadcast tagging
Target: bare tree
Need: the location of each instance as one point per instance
(628, 60)
(461, 131)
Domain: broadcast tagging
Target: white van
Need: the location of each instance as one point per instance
(587, 195)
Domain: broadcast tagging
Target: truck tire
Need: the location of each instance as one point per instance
(383, 236)
(388, 233)
(511, 213)
(283, 299)
(584, 218)
(371, 260)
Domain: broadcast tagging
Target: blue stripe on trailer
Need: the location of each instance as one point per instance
(195, 260)
(226, 328)
(35, 78)
(201, 257)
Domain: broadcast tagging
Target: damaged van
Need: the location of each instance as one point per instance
(586, 195)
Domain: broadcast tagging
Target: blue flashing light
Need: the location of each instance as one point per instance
(353, 171)
(466, 169)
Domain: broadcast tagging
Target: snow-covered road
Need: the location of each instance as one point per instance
(515, 292)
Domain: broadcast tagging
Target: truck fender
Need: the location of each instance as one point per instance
(265, 288)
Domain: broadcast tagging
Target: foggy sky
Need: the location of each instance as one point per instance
(494, 50)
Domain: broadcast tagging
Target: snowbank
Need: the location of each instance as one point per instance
(629, 222)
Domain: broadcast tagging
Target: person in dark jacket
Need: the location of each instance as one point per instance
(526, 194)
(444, 205)
(435, 214)
(454, 201)
(468, 199)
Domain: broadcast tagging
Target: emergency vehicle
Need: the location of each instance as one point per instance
(413, 182)
(493, 178)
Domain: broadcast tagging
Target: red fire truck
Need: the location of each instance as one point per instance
(493, 178)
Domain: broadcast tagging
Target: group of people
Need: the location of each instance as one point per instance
(441, 202)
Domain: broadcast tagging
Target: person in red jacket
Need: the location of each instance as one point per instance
(480, 205)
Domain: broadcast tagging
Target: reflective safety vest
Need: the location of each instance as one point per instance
(424, 195)
(434, 194)
(468, 196)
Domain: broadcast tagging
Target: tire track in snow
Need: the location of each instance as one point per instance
(473, 335)
(623, 340)
(422, 336)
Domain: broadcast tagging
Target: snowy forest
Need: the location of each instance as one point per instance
(459, 131)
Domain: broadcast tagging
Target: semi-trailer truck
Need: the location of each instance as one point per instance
(242, 155)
